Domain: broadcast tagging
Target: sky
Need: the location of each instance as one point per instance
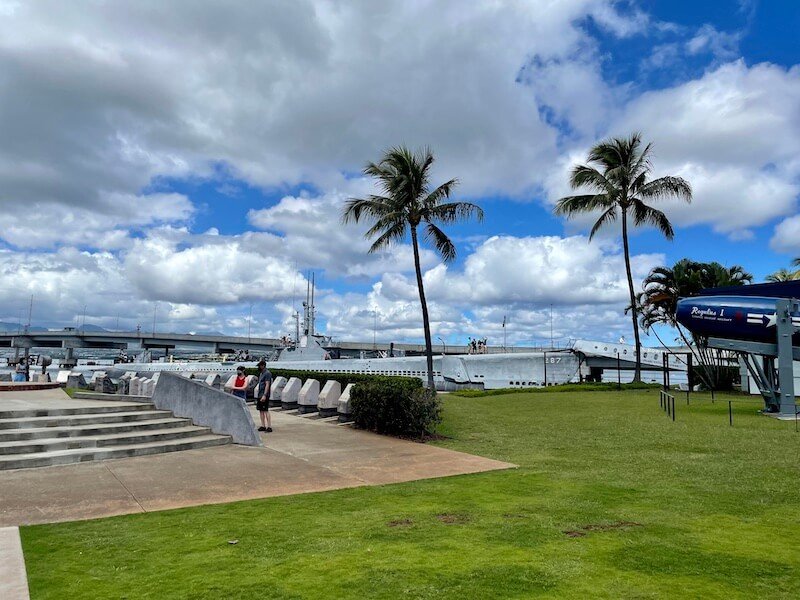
(189, 161)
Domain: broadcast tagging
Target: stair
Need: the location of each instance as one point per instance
(58, 436)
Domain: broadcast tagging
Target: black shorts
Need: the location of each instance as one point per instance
(262, 406)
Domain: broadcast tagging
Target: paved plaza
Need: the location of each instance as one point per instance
(301, 455)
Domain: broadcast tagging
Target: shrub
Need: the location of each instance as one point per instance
(396, 406)
(726, 377)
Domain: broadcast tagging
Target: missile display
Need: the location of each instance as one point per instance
(740, 317)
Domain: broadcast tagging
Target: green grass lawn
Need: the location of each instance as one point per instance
(611, 500)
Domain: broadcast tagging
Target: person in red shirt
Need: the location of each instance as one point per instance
(240, 384)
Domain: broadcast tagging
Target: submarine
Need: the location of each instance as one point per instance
(744, 313)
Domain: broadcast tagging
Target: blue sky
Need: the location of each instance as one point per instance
(198, 158)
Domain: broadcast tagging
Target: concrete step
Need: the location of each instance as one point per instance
(101, 441)
(89, 430)
(80, 410)
(62, 457)
(70, 420)
(110, 397)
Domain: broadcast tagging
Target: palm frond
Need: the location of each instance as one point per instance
(372, 206)
(666, 187)
(572, 205)
(452, 212)
(589, 177)
(386, 222)
(440, 193)
(647, 215)
(393, 234)
(641, 166)
(609, 216)
(444, 246)
(782, 275)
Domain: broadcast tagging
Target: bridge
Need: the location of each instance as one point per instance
(71, 338)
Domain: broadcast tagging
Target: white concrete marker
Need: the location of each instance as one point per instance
(290, 393)
(329, 398)
(308, 397)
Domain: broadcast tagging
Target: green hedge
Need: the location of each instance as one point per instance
(343, 378)
(396, 406)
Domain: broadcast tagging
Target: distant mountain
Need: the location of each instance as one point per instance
(90, 327)
(6, 327)
(14, 327)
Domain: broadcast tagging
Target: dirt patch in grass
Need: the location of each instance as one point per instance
(453, 519)
(428, 437)
(584, 529)
(400, 523)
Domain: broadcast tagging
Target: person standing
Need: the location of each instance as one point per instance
(262, 396)
(239, 388)
(20, 373)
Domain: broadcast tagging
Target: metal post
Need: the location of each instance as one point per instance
(545, 369)
(619, 373)
(673, 408)
(689, 378)
(669, 383)
(785, 367)
(730, 414)
(664, 371)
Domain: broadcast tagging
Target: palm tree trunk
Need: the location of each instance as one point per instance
(637, 374)
(426, 325)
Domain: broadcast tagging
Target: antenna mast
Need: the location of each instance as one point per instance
(30, 312)
(312, 309)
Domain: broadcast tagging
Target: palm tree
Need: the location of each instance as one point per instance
(783, 275)
(658, 304)
(406, 204)
(621, 190)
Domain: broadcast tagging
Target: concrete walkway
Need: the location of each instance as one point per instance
(13, 578)
(301, 455)
(42, 399)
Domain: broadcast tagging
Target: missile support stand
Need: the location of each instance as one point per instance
(776, 383)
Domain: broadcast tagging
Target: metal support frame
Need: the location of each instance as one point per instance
(776, 383)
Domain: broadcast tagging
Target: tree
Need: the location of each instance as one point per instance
(621, 191)
(783, 275)
(658, 304)
(408, 203)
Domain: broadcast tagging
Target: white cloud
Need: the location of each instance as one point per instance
(787, 236)
(518, 277)
(734, 134)
(313, 236)
(44, 225)
(98, 103)
(720, 44)
(226, 270)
